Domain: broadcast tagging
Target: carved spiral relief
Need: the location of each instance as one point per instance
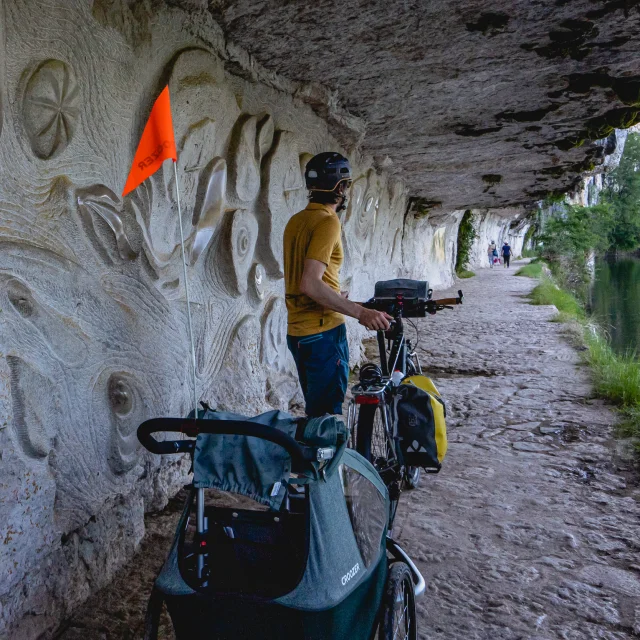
(209, 210)
(100, 201)
(286, 193)
(33, 399)
(244, 166)
(355, 202)
(50, 108)
(257, 280)
(366, 221)
(273, 352)
(43, 326)
(118, 394)
(264, 136)
(367, 213)
(244, 233)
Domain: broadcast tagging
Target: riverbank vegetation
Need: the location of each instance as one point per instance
(567, 237)
(616, 377)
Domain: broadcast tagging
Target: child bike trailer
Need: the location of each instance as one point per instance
(306, 557)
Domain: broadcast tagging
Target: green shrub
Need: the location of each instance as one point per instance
(465, 273)
(529, 253)
(466, 236)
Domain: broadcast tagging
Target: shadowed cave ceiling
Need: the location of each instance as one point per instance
(474, 104)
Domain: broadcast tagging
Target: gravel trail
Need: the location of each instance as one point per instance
(532, 529)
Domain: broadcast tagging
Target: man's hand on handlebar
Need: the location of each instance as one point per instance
(374, 320)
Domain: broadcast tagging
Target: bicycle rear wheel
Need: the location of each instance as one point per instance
(373, 444)
(371, 437)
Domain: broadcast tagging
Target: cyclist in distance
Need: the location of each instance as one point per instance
(316, 333)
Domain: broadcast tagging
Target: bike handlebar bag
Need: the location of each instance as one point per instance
(408, 289)
(422, 428)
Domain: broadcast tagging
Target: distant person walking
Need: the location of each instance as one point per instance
(506, 254)
(492, 252)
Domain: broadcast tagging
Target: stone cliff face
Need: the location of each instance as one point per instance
(93, 336)
(476, 105)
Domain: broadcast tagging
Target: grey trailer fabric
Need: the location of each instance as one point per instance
(335, 566)
(326, 431)
(245, 465)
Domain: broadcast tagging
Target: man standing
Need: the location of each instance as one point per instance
(506, 254)
(316, 334)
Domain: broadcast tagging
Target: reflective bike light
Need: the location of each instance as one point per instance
(367, 400)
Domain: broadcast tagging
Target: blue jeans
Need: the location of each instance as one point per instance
(322, 360)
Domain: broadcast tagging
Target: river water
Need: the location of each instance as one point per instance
(615, 301)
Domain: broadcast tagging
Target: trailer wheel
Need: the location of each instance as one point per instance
(399, 620)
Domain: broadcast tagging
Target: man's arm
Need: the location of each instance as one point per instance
(313, 286)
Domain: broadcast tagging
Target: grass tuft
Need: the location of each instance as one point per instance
(548, 292)
(531, 270)
(617, 377)
(465, 273)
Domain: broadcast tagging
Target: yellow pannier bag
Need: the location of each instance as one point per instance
(421, 423)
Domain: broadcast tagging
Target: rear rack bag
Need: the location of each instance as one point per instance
(421, 423)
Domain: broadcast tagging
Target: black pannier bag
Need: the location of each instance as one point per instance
(410, 289)
(421, 424)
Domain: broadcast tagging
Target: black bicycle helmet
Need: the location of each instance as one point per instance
(326, 171)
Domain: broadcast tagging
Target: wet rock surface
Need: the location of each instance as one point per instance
(531, 529)
(473, 104)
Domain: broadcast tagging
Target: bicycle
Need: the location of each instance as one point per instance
(372, 425)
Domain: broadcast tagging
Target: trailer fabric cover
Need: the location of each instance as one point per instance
(245, 465)
(335, 566)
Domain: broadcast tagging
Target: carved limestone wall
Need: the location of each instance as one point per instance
(93, 335)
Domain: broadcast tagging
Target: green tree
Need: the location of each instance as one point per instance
(576, 231)
(623, 195)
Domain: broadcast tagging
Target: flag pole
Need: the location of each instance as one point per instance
(186, 291)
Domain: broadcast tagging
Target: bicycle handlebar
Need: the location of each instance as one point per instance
(412, 307)
(444, 302)
(299, 454)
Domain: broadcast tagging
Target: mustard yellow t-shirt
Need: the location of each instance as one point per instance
(313, 233)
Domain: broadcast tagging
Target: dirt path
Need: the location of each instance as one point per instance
(532, 529)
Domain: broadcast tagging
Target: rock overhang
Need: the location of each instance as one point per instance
(473, 106)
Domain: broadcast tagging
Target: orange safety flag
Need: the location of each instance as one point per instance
(156, 144)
